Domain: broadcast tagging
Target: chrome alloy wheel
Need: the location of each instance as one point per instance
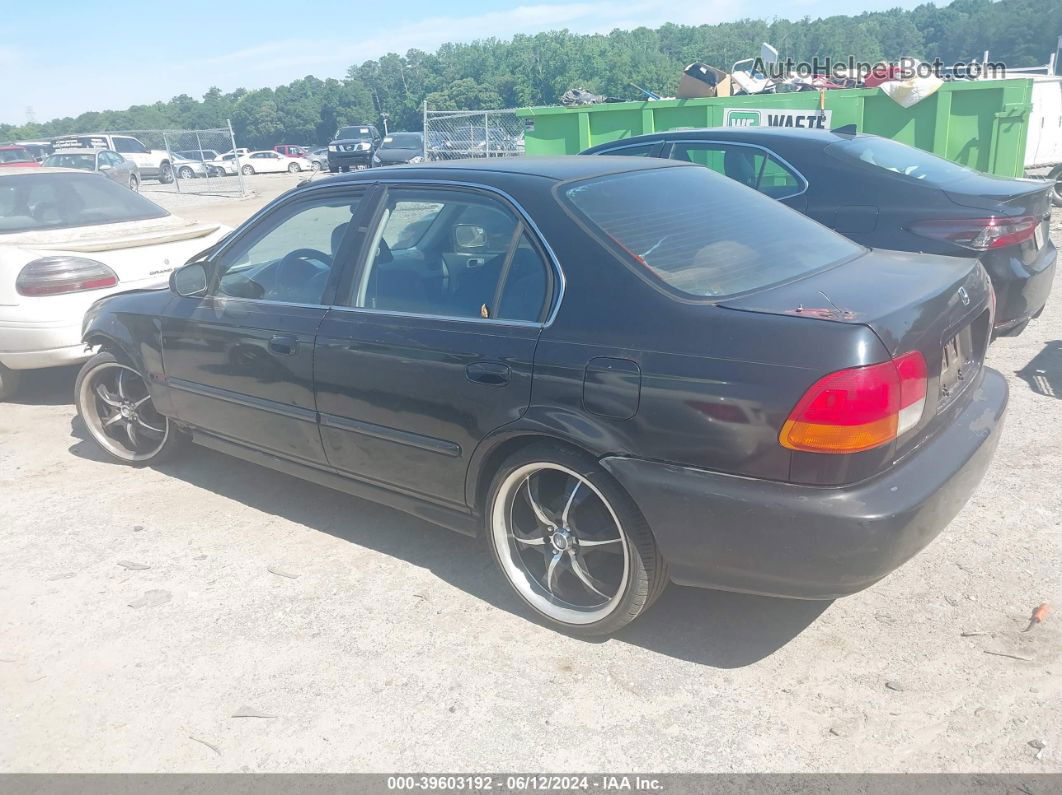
(560, 543)
(117, 408)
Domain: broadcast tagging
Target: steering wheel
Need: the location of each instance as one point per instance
(301, 273)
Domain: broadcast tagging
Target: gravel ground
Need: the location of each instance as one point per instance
(369, 641)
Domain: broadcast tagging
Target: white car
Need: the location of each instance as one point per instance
(68, 238)
(270, 162)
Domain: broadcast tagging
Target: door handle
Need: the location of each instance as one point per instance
(284, 344)
(489, 373)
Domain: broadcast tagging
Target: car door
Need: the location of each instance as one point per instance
(239, 360)
(431, 343)
(750, 165)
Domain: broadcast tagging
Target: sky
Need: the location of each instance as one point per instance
(73, 58)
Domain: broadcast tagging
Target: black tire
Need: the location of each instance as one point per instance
(134, 184)
(644, 575)
(9, 381)
(156, 448)
(344, 169)
(1056, 191)
(294, 168)
(247, 170)
(165, 173)
(186, 172)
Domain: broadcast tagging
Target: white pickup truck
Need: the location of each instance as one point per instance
(153, 163)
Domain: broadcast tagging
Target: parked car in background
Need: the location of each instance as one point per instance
(884, 194)
(205, 156)
(565, 356)
(291, 150)
(269, 162)
(228, 163)
(39, 149)
(153, 163)
(12, 156)
(320, 157)
(353, 147)
(400, 147)
(111, 164)
(68, 238)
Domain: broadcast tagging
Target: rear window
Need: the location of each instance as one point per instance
(15, 156)
(85, 162)
(59, 201)
(900, 159)
(703, 234)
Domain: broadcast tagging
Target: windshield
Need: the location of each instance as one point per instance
(15, 156)
(907, 161)
(346, 133)
(403, 141)
(59, 201)
(85, 162)
(704, 234)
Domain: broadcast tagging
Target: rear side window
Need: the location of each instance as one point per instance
(745, 164)
(900, 159)
(702, 234)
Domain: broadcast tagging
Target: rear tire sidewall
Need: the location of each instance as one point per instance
(186, 173)
(166, 174)
(247, 171)
(175, 439)
(1056, 189)
(294, 168)
(646, 572)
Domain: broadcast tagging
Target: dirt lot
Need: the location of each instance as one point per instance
(370, 641)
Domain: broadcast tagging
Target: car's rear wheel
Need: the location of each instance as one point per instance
(248, 170)
(315, 166)
(185, 172)
(9, 381)
(571, 542)
(134, 184)
(293, 168)
(166, 174)
(114, 402)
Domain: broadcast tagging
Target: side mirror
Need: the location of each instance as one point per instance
(469, 236)
(190, 281)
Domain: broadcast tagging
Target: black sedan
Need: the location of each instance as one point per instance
(884, 194)
(398, 148)
(562, 356)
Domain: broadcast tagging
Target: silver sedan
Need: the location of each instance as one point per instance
(111, 164)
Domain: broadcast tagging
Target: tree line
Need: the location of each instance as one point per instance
(536, 69)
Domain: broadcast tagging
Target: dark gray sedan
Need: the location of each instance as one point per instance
(109, 163)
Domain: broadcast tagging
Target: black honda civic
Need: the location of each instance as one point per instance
(885, 194)
(564, 357)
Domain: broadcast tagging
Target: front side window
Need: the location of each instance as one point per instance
(748, 165)
(702, 235)
(289, 258)
(452, 253)
(63, 200)
(129, 145)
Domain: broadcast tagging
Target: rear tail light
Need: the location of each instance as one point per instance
(56, 275)
(859, 408)
(979, 234)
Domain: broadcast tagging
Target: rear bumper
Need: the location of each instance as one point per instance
(778, 539)
(29, 346)
(1021, 289)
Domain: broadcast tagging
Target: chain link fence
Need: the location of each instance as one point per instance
(455, 134)
(181, 161)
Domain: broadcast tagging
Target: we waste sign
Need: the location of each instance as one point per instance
(770, 117)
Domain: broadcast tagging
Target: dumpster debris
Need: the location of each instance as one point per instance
(1038, 615)
(576, 97)
(701, 80)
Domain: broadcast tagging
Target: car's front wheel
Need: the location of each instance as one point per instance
(114, 402)
(185, 173)
(248, 170)
(571, 542)
(166, 174)
(134, 183)
(294, 168)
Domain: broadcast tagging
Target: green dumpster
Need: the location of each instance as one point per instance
(981, 124)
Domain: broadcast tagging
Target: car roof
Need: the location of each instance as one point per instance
(80, 150)
(9, 147)
(556, 168)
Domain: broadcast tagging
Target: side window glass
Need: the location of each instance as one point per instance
(526, 284)
(444, 252)
(636, 150)
(777, 181)
(708, 155)
(289, 259)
